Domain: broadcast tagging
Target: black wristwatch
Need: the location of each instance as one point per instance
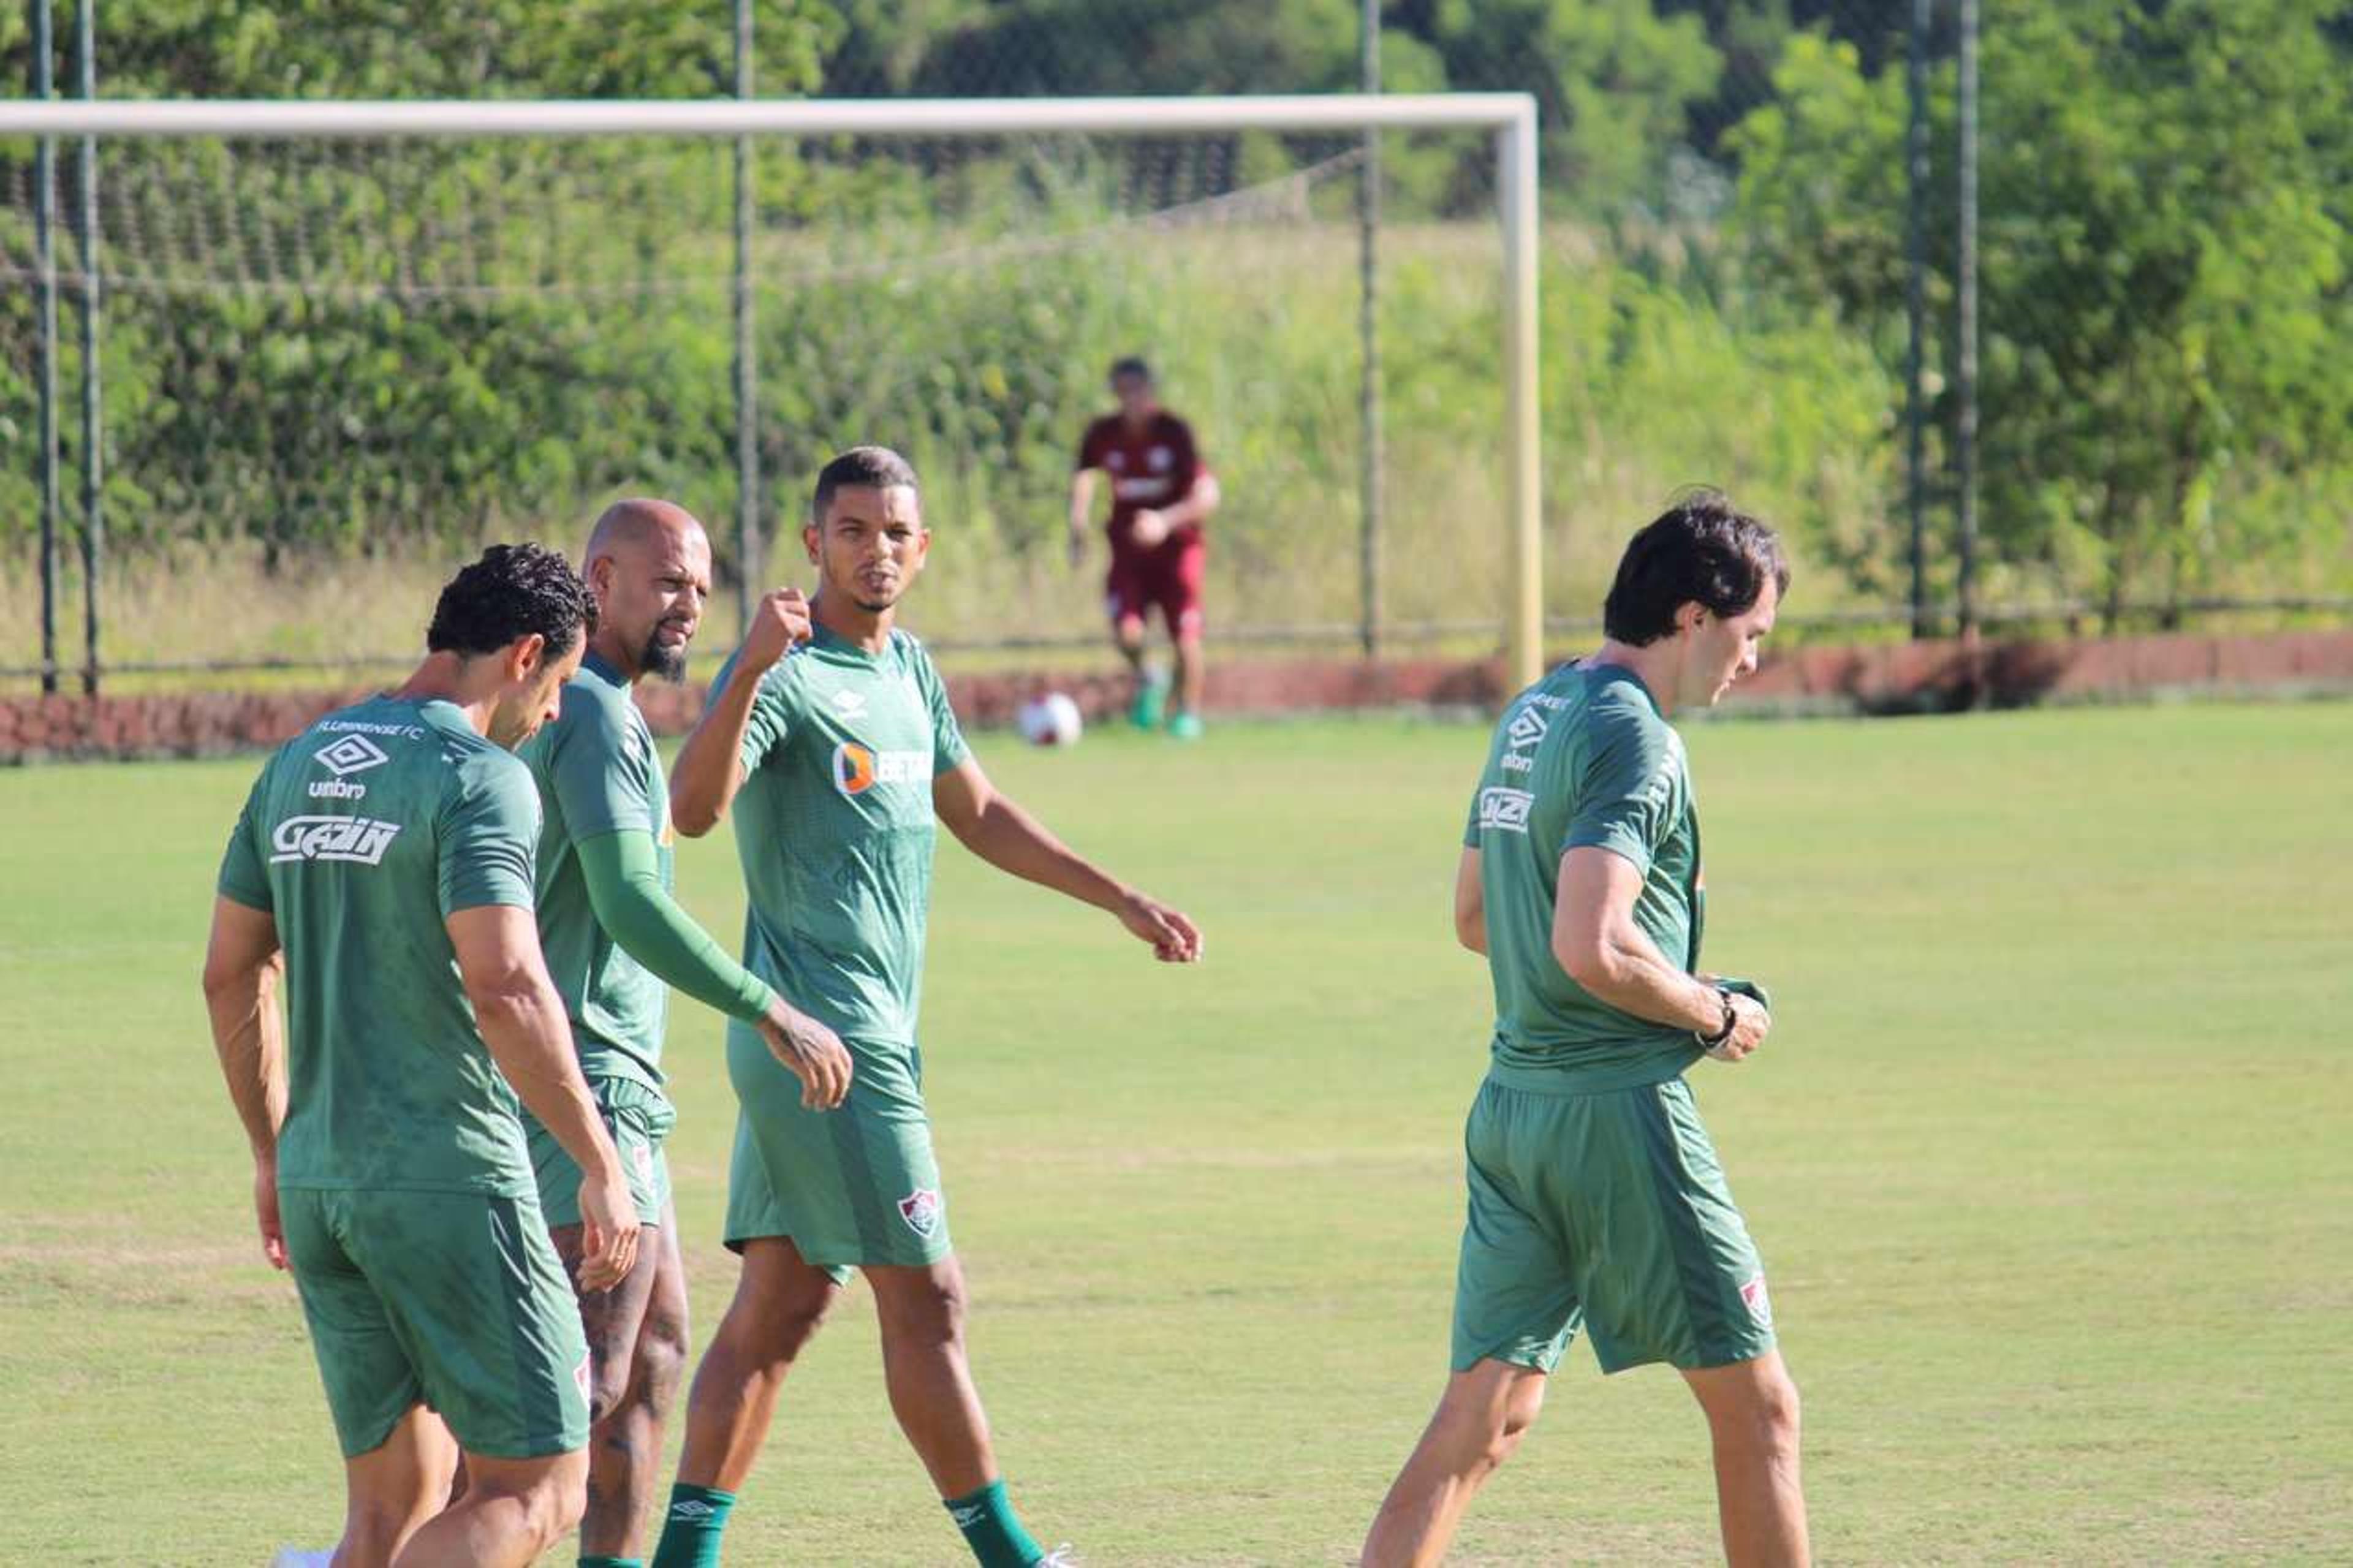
(1731, 1018)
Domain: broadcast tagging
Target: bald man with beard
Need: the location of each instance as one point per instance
(616, 940)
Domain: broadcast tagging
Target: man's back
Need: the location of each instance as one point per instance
(359, 837)
(1582, 758)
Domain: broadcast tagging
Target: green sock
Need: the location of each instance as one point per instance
(588, 1561)
(691, 1530)
(991, 1530)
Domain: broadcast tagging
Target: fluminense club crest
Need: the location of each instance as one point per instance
(920, 1210)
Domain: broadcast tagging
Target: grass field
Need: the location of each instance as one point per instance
(2048, 1158)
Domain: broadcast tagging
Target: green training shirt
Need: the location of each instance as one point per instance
(834, 827)
(1583, 758)
(598, 772)
(362, 837)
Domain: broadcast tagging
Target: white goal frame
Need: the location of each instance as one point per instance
(1510, 117)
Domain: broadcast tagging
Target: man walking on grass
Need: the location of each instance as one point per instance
(384, 857)
(839, 761)
(616, 940)
(1595, 1196)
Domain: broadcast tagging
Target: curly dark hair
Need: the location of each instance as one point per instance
(861, 468)
(1701, 547)
(511, 592)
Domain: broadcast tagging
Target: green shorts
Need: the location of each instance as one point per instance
(850, 1187)
(451, 1299)
(640, 1118)
(1607, 1210)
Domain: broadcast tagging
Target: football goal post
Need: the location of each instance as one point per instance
(329, 322)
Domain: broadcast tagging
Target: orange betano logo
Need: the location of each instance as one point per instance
(853, 768)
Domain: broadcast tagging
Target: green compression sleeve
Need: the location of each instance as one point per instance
(624, 889)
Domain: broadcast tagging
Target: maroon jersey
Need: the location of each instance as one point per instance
(1154, 469)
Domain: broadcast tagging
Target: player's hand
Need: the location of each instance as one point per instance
(1149, 527)
(1750, 1023)
(264, 1209)
(779, 620)
(810, 1052)
(1174, 936)
(608, 1230)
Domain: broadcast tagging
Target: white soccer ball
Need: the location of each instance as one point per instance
(1051, 721)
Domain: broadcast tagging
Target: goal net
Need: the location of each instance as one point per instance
(389, 348)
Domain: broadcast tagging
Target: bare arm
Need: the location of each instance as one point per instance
(1596, 941)
(522, 1022)
(997, 830)
(1082, 510)
(242, 968)
(1198, 505)
(1470, 903)
(709, 767)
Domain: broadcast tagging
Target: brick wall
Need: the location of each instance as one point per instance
(1889, 677)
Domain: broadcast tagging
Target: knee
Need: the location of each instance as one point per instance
(932, 1315)
(779, 1330)
(664, 1346)
(608, 1386)
(1767, 1422)
(1519, 1414)
(1780, 1413)
(374, 1527)
(554, 1509)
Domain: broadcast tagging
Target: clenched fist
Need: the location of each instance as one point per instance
(779, 620)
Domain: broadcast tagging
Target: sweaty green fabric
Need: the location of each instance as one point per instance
(854, 1186)
(1583, 758)
(598, 774)
(451, 1299)
(362, 837)
(693, 1527)
(835, 830)
(1608, 1211)
(640, 1118)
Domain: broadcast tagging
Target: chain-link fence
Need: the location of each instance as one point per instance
(2004, 310)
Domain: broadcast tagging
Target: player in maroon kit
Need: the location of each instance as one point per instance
(1161, 494)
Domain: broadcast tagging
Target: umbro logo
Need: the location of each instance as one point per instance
(1526, 729)
(351, 755)
(849, 704)
(691, 1508)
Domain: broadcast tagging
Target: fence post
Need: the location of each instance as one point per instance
(1965, 362)
(94, 435)
(1368, 234)
(45, 250)
(748, 381)
(1915, 308)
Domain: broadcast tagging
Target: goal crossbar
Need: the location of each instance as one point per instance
(1510, 117)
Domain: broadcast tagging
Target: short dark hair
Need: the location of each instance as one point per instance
(861, 468)
(1130, 364)
(511, 592)
(1701, 547)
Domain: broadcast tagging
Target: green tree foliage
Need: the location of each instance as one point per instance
(2165, 254)
(241, 402)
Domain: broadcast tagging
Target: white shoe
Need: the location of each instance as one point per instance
(1063, 1556)
(295, 1557)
